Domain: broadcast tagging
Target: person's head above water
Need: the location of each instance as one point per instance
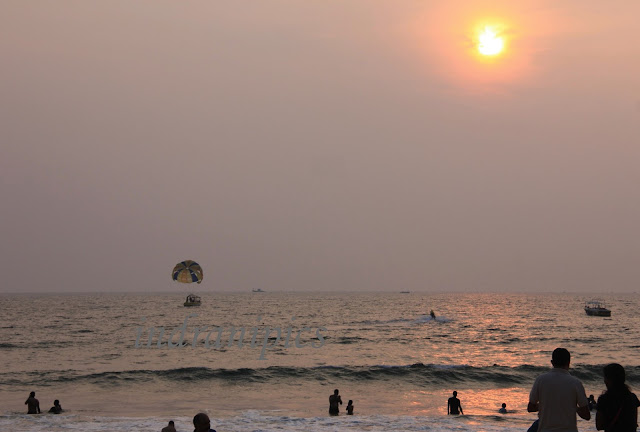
(455, 393)
(560, 358)
(32, 394)
(201, 422)
(56, 402)
(504, 405)
(335, 392)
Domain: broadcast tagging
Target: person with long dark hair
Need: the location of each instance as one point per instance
(617, 408)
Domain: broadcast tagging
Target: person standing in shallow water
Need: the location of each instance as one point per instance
(33, 405)
(350, 407)
(334, 400)
(453, 405)
(617, 408)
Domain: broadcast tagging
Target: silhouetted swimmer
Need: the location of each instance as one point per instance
(169, 428)
(334, 400)
(202, 423)
(350, 407)
(592, 402)
(453, 405)
(433, 314)
(33, 405)
(503, 410)
(56, 408)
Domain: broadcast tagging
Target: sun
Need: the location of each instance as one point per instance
(489, 42)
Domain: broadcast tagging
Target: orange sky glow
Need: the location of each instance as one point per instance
(449, 39)
(361, 145)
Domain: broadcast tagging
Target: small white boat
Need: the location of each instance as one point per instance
(596, 308)
(192, 300)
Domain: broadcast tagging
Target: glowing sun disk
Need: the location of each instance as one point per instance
(489, 43)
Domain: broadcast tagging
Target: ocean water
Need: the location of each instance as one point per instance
(94, 353)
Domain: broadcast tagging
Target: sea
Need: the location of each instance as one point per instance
(268, 361)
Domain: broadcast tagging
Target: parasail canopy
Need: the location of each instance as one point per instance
(187, 272)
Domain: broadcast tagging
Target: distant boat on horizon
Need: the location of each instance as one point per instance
(405, 292)
(258, 290)
(596, 308)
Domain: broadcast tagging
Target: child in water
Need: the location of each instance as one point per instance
(350, 407)
(56, 408)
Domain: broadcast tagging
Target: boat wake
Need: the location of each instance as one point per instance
(430, 319)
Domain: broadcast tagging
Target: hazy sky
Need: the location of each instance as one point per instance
(319, 145)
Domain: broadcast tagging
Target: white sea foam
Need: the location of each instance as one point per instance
(267, 422)
(438, 319)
